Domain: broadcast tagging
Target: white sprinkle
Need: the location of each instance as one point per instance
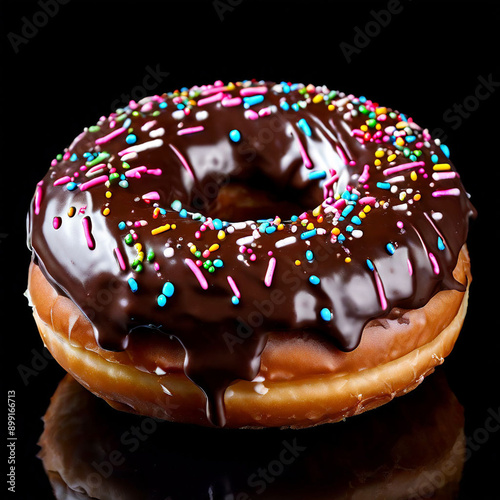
(158, 132)
(178, 114)
(239, 225)
(437, 215)
(168, 252)
(402, 206)
(245, 241)
(201, 115)
(148, 125)
(159, 371)
(285, 241)
(357, 233)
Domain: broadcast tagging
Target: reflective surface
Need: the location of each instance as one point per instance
(413, 447)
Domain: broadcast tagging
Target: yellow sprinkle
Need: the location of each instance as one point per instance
(140, 256)
(378, 126)
(336, 231)
(413, 175)
(417, 197)
(230, 86)
(193, 249)
(105, 211)
(400, 141)
(379, 153)
(138, 247)
(367, 208)
(71, 211)
(401, 125)
(364, 128)
(320, 218)
(441, 166)
(402, 196)
(318, 98)
(347, 260)
(214, 248)
(377, 163)
(310, 226)
(317, 211)
(221, 234)
(109, 194)
(173, 226)
(381, 110)
(297, 262)
(281, 227)
(361, 215)
(391, 157)
(331, 107)
(161, 229)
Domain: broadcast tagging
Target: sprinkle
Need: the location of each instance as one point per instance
(326, 314)
(270, 272)
(441, 245)
(156, 143)
(56, 222)
(383, 185)
(439, 167)
(38, 199)
(446, 150)
(314, 280)
(62, 180)
(93, 182)
(252, 100)
(119, 257)
(446, 192)
(305, 158)
(250, 91)
(196, 271)
(370, 265)
(390, 248)
(98, 159)
(168, 289)
(304, 126)
(87, 225)
(235, 300)
(309, 255)
(404, 166)
(183, 160)
(439, 176)
(132, 284)
(110, 136)
(380, 290)
(190, 130)
(318, 174)
(233, 286)
(161, 300)
(152, 195)
(308, 234)
(161, 229)
(235, 135)
(285, 241)
(435, 265)
(230, 102)
(210, 99)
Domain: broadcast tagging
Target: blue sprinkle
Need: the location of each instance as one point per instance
(294, 218)
(308, 234)
(346, 195)
(349, 228)
(383, 185)
(441, 244)
(318, 174)
(347, 210)
(122, 225)
(340, 238)
(133, 284)
(446, 150)
(218, 263)
(252, 100)
(123, 184)
(163, 105)
(263, 226)
(286, 87)
(309, 255)
(304, 126)
(73, 157)
(434, 158)
(370, 265)
(217, 224)
(284, 106)
(180, 106)
(390, 248)
(176, 205)
(362, 99)
(295, 106)
(270, 229)
(71, 186)
(356, 220)
(126, 123)
(168, 289)
(235, 300)
(410, 138)
(131, 139)
(314, 279)
(235, 135)
(326, 314)
(161, 300)
(183, 213)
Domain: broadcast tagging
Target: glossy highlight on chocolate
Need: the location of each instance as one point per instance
(203, 206)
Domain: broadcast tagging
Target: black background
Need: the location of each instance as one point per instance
(80, 61)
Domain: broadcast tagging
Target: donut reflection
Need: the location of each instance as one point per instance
(413, 448)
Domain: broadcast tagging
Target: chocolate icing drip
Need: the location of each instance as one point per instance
(132, 210)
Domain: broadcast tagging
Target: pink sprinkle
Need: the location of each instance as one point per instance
(270, 271)
(212, 98)
(229, 102)
(154, 171)
(96, 168)
(368, 200)
(147, 107)
(410, 268)
(110, 136)
(365, 175)
(250, 114)
(136, 172)
(380, 290)
(183, 160)
(88, 235)
(252, 91)
(305, 158)
(38, 199)
(152, 195)
(190, 130)
(439, 176)
(119, 256)
(94, 182)
(404, 166)
(156, 266)
(62, 180)
(197, 273)
(56, 222)
(446, 192)
(435, 265)
(233, 286)
(66, 155)
(342, 155)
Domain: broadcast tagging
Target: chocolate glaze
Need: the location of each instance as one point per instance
(398, 252)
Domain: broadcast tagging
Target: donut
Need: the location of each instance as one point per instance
(412, 449)
(250, 254)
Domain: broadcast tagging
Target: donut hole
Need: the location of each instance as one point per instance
(239, 201)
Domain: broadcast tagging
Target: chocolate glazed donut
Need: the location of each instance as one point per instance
(215, 215)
